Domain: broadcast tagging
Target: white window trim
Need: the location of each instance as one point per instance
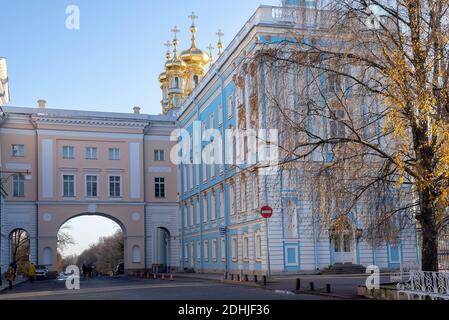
(12, 187)
(206, 250)
(245, 248)
(96, 153)
(165, 187)
(389, 253)
(109, 186)
(258, 245)
(235, 250)
(223, 248)
(213, 206)
(98, 185)
(214, 250)
(109, 154)
(198, 251)
(12, 150)
(186, 251)
(73, 153)
(74, 184)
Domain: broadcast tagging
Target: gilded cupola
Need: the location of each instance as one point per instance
(183, 71)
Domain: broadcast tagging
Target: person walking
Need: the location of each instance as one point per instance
(31, 271)
(10, 275)
(84, 270)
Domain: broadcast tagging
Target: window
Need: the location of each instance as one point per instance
(18, 186)
(232, 198)
(114, 154)
(230, 106)
(18, 150)
(336, 124)
(198, 250)
(291, 254)
(197, 209)
(212, 120)
(68, 183)
(245, 247)
(195, 80)
(192, 212)
(212, 159)
(115, 187)
(91, 186)
(177, 83)
(220, 115)
(394, 253)
(205, 208)
(91, 153)
(234, 248)
(186, 215)
(255, 191)
(222, 204)
(68, 152)
(243, 194)
(206, 250)
(159, 187)
(214, 250)
(186, 251)
(223, 249)
(258, 240)
(213, 213)
(159, 155)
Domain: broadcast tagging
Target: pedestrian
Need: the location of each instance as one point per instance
(14, 266)
(84, 270)
(10, 275)
(31, 272)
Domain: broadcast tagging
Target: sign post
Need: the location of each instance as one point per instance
(267, 212)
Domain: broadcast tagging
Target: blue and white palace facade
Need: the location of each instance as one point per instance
(220, 200)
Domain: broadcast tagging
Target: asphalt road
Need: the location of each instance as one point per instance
(125, 288)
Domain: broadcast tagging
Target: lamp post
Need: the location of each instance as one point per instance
(27, 176)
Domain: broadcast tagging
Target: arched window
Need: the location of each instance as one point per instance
(177, 83)
(136, 254)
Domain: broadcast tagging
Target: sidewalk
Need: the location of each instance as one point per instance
(19, 280)
(342, 286)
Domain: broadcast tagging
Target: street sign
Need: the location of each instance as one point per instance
(266, 212)
(223, 231)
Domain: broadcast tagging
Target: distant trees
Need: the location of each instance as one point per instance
(20, 249)
(105, 254)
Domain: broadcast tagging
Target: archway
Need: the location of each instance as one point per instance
(95, 243)
(161, 259)
(20, 249)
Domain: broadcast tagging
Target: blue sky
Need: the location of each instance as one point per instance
(111, 64)
(113, 61)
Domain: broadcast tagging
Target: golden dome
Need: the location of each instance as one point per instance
(195, 56)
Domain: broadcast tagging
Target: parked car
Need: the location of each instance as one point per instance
(41, 272)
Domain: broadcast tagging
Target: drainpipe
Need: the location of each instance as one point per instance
(145, 200)
(36, 163)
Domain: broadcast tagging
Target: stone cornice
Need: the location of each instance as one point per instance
(90, 122)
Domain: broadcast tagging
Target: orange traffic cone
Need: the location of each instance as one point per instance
(171, 277)
(163, 276)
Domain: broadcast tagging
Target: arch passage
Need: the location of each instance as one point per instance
(130, 218)
(20, 249)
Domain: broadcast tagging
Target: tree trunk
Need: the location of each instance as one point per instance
(429, 230)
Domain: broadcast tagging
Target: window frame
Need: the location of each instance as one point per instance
(115, 155)
(120, 186)
(64, 195)
(97, 184)
(71, 154)
(88, 155)
(15, 152)
(20, 186)
(160, 184)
